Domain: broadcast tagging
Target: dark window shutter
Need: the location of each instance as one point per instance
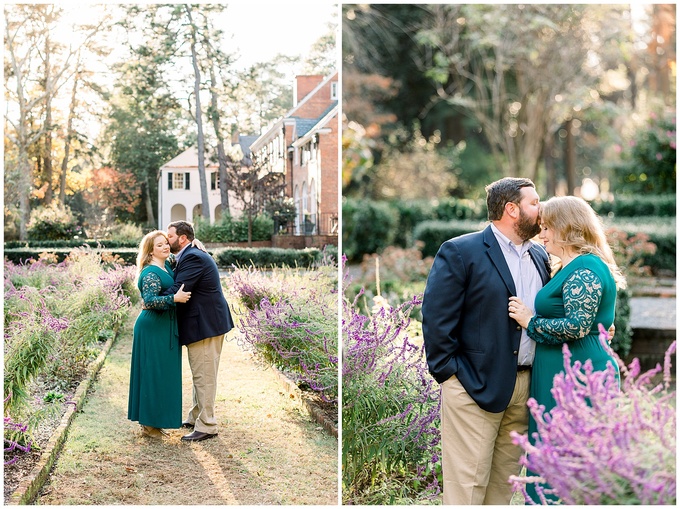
(170, 180)
(186, 181)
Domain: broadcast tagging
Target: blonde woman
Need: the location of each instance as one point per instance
(580, 295)
(155, 398)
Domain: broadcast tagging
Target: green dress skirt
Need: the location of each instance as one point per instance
(568, 310)
(155, 397)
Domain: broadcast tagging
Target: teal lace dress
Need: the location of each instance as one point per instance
(569, 309)
(155, 397)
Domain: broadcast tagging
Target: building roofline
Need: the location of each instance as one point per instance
(316, 127)
(277, 125)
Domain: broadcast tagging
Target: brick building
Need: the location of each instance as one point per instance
(303, 146)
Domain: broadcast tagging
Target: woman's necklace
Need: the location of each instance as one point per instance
(158, 263)
(568, 259)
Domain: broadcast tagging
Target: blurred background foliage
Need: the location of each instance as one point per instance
(439, 100)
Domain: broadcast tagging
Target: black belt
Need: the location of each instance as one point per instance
(523, 367)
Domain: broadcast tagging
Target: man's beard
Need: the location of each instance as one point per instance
(526, 228)
(174, 248)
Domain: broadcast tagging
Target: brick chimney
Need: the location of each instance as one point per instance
(304, 85)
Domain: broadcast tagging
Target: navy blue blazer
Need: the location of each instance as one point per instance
(466, 327)
(206, 314)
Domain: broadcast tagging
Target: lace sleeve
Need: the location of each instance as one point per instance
(581, 294)
(151, 288)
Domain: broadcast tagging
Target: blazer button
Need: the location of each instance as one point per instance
(519, 327)
(515, 352)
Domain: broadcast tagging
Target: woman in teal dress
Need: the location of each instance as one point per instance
(155, 398)
(580, 295)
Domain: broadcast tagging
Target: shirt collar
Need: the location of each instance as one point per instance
(181, 252)
(508, 245)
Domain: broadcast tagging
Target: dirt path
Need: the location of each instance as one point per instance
(268, 450)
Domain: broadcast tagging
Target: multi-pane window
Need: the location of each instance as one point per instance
(214, 181)
(178, 180)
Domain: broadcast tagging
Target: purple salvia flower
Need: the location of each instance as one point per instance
(603, 445)
(386, 372)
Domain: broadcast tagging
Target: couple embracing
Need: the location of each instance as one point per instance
(496, 313)
(183, 304)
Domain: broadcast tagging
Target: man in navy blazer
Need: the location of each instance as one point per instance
(202, 325)
(479, 355)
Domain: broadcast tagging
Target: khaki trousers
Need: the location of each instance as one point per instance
(478, 455)
(204, 360)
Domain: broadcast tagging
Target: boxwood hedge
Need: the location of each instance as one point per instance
(661, 231)
(370, 226)
(228, 257)
(225, 257)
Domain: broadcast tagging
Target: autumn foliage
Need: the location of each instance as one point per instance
(113, 189)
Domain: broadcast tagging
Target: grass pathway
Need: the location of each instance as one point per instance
(268, 450)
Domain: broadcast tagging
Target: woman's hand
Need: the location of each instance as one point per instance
(610, 333)
(519, 311)
(198, 244)
(181, 295)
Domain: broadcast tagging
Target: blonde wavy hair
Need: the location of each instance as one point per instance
(578, 227)
(146, 249)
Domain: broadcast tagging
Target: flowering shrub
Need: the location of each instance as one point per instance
(291, 318)
(283, 212)
(54, 222)
(56, 317)
(127, 231)
(602, 445)
(252, 286)
(630, 251)
(648, 164)
(390, 408)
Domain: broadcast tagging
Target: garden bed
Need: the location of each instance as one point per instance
(58, 319)
(23, 478)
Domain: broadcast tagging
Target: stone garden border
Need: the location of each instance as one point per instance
(314, 411)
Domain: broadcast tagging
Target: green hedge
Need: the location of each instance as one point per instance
(661, 231)
(267, 257)
(450, 209)
(433, 233)
(409, 215)
(22, 255)
(634, 206)
(367, 227)
(370, 226)
(22, 244)
(228, 229)
(225, 257)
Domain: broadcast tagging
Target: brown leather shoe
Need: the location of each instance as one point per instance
(198, 436)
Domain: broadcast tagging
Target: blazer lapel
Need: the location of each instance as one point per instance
(498, 259)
